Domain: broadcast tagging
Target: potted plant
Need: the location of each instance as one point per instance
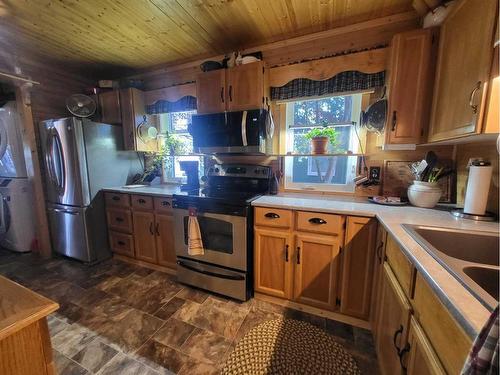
(169, 146)
(321, 137)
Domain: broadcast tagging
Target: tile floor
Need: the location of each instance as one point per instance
(118, 318)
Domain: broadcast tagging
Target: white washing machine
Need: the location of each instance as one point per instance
(17, 217)
(17, 229)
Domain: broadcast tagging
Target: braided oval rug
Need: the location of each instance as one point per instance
(288, 346)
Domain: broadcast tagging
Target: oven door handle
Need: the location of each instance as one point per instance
(208, 273)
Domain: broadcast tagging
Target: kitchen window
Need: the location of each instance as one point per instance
(175, 135)
(322, 173)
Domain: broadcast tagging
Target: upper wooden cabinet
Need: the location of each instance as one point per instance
(411, 70)
(464, 62)
(234, 89)
(358, 258)
(211, 92)
(109, 106)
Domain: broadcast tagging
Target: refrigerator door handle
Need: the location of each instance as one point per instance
(61, 210)
(61, 163)
(49, 159)
(3, 224)
(3, 138)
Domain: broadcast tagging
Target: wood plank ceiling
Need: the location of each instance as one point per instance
(144, 33)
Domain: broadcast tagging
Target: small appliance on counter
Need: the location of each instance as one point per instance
(191, 169)
(476, 194)
(225, 217)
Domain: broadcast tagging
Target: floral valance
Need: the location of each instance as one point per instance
(186, 103)
(342, 82)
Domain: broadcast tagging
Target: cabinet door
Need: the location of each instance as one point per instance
(245, 85)
(144, 238)
(377, 276)
(273, 262)
(357, 267)
(421, 358)
(211, 92)
(317, 266)
(410, 88)
(109, 105)
(465, 53)
(392, 323)
(165, 240)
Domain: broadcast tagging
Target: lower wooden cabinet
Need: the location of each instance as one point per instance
(164, 231)
(142, 230)
(317, 266)
(358, 258)
(273, 262)
(418, 357)
(144, 236)
(392, 324)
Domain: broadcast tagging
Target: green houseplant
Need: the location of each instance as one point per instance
(321, 137)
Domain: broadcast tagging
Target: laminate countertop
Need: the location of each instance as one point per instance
(466, 308)
(163, 190)
(20, 307)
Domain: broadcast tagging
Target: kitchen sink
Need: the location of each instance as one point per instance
(472, 257)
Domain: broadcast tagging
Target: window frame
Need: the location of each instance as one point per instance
(354, 146)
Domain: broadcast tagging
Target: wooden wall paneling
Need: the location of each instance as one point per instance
(367, 62)
(34, 170)
(171, 94)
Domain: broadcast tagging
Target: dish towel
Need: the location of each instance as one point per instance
(195, 244)
(483, 357)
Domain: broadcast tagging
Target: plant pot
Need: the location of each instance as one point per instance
(424, 194)
(319, 145)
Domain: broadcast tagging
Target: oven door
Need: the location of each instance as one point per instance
(224, 238)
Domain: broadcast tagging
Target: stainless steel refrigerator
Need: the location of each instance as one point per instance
(80, 158)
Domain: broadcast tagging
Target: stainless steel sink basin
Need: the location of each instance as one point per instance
(471, 256)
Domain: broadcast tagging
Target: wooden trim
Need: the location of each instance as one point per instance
(314, 311)
(137, 262)
(33, 169)
(171, 94)
(367, 62)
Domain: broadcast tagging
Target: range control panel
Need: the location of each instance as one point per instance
(239, 170)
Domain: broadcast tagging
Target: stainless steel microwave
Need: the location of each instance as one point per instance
(242, 132)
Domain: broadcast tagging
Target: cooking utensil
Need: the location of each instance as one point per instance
(431, 159)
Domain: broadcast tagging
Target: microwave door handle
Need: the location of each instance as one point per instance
(244, 129)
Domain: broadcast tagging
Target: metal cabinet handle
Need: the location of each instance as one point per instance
(116, 198)
(394, 120)
(298, 254)
(222, 94)
(272, 215)
(317, 220)
(401, 354)
(157, 229)
(398, 332)
(119, 219)
(286, 253)
(379, 252)
(141, 201)
(472, 97)
(151, 228)
(230, 93)
(121, 243)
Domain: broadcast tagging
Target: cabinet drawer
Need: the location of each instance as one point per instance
(320, 223)
(122, 243)
(163, 204)
(273, 217)
(401, 266)
(119, 219)
(142, 202)
(117, 199)
(447, 338)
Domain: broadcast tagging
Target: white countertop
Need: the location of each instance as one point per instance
(156, 190)
(470, 313)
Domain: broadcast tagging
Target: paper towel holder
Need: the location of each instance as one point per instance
(488, 216)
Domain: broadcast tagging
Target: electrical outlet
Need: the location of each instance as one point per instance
(375, 173)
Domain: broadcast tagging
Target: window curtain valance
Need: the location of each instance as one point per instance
(186, 103)
(347, 81)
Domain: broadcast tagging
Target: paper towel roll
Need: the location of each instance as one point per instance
(478, 186)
